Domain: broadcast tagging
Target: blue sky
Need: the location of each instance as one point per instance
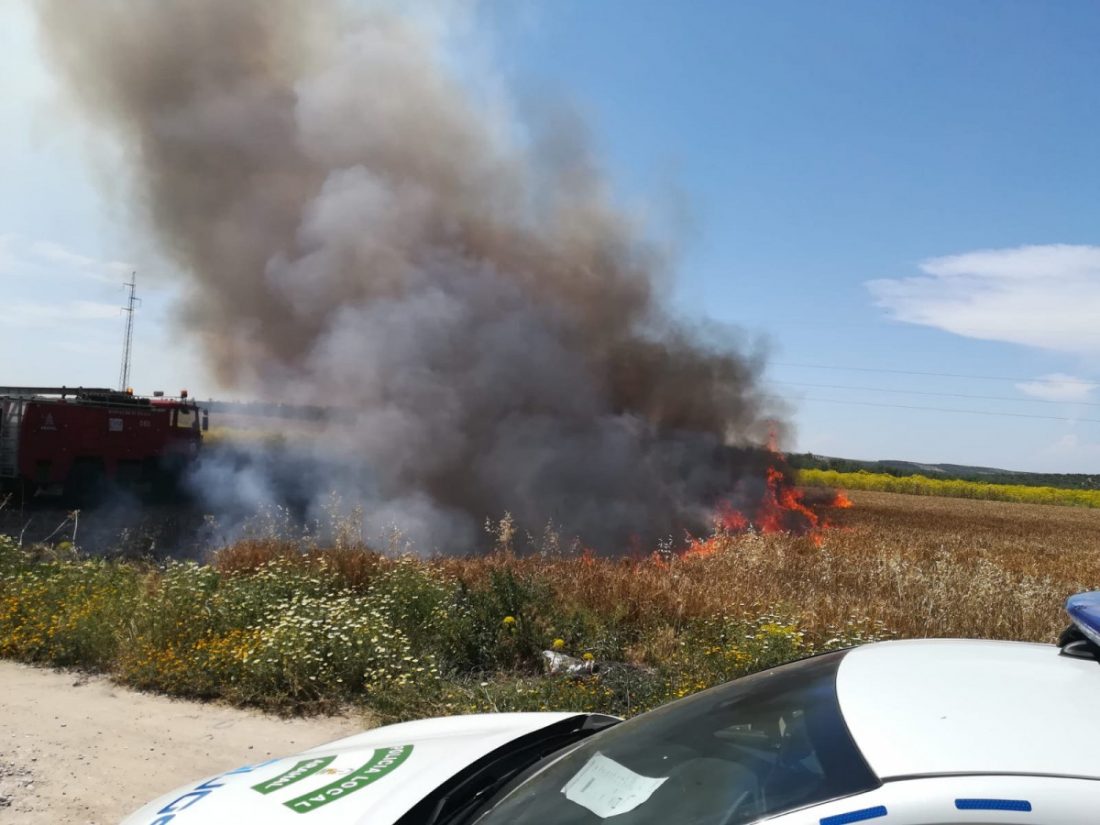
(889, 186)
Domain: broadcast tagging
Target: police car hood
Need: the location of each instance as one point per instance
(373, 777)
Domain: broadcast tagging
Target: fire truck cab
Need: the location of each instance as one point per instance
(78, 442)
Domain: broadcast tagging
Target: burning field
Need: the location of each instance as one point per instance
(126, 525)
(359, 219)
(295, 627)
(757, 493)
(516, 449)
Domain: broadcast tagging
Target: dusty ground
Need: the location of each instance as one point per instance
(79, 750)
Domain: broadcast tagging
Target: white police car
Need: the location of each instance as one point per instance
(897, 733)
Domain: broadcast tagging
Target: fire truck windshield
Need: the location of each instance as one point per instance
(187, 418)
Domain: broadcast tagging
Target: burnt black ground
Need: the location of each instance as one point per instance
(121, 528)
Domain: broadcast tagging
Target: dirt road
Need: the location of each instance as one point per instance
(78, 750)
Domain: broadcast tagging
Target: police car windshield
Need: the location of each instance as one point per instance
(756, 747)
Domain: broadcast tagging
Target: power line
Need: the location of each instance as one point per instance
(944, 409)
(935, 374)
(937, 394)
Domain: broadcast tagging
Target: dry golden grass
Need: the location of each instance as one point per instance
(356, 567)
(920, 566)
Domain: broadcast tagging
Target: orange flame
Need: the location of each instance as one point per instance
(782, 504)
(729, 519)
(782, 509)
(698, 548)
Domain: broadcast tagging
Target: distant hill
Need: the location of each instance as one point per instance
(993, 475)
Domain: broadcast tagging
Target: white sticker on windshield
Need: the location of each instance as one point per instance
(607, 788)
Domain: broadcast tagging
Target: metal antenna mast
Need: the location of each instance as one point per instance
(127, 343)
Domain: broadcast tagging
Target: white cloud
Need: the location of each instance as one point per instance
(1057, 386)
(19, 258)
(1040, 296)
(76, 264)
(43, 315)
(1070, 453)
(7, 254)
(59, 254)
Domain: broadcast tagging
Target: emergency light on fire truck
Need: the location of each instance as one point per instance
(77, 442)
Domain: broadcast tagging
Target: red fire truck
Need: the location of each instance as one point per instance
(79, 442)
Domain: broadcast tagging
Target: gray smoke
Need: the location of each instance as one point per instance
(361, 231)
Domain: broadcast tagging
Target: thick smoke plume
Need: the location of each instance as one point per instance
(360, 231)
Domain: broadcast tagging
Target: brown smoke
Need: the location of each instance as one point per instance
(359, 231)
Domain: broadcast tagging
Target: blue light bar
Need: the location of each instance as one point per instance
(1084, 611)
(855, 816)
(992, 804)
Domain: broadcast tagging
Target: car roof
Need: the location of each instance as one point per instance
(961, 707)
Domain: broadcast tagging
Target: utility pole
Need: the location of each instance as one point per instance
(127, 342)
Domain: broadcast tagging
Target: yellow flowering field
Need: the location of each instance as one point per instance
(955, 488)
